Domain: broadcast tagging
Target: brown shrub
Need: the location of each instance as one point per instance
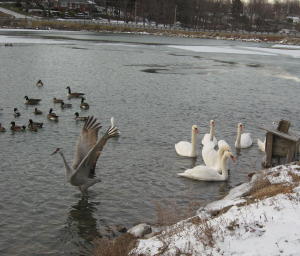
(205, 233)
(263, 188)
(120, 246)
(295, 177)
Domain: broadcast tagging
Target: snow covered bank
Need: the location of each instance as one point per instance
(260, 217)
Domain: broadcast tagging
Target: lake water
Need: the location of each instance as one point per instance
(156, 88)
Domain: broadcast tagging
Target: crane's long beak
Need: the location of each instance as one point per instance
(56, 150)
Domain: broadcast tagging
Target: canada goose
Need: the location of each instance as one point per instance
(64, 105)
(32, 128)
(52, 116)
(37, 112)
(31, 101)
(80, 118)
(35, 124)
(2, 129)
(39, 83)
(16, 112)
(16, 128)
(83, 104)
(57, 100)
(73, 94)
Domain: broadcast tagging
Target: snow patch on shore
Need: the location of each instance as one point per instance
(267, 226)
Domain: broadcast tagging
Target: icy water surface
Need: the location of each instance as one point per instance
(156, 88)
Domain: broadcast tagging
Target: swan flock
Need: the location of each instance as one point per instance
(215, 154)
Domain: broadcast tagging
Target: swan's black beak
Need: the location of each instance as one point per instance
(56, 150)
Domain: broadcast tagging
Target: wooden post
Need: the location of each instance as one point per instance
(291, 154)
(268, 149)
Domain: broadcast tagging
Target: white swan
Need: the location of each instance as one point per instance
(261, 145)
(222, 143)
(202, 172)
(211, 156)
(210, 137)
(188, 149)
(243, 140)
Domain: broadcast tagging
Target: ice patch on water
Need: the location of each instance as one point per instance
(22, 40)
(295, 53)
(116, 44)
(218, 49)
(289, 77)
(286, 46)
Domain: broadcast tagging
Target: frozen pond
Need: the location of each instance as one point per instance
(156, 88)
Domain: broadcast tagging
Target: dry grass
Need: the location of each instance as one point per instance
(295, 177)
(205, 233)
(4, 15)
(120, 246)
(263, 188)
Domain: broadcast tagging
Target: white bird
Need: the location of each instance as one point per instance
(243, 140)
(261, 145)
(202, 172)
(222, 143)
(210, 137)
(188, 149)
(211, 156)
(88, 150)
(112, 124)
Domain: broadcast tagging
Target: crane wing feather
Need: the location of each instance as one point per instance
(83, 169)
(87, 139)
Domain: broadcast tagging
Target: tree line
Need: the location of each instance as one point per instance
(259, 15)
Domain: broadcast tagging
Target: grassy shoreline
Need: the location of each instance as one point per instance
(73, 26)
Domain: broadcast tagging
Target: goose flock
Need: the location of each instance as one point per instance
(51, 115)
(82, 172)
(215, 154)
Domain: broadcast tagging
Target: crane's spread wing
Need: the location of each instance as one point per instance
(87, 139)
(83, 169)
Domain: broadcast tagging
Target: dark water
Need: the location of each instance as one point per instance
(155, 92)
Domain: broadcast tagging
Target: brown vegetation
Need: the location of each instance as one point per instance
(119, 246)
(4, 15)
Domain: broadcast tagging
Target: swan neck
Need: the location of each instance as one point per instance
(238, 138)
(211, 133)
(223, 165)
(67, 166)
(193, 142)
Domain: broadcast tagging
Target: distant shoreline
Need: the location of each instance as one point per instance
(220, 35)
